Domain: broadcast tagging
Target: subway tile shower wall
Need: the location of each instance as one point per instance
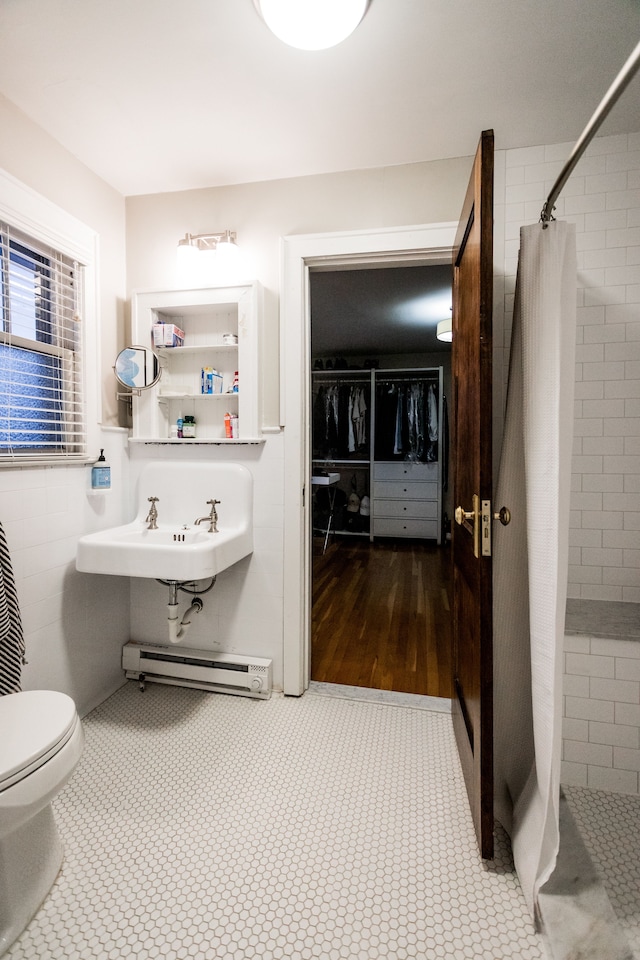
(601, 725)
(602, 198)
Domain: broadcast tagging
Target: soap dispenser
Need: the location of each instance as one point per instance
(101, 474)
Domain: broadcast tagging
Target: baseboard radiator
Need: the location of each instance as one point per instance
(219, 672)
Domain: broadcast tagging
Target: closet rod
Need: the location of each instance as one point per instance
(336, 378)
(413, 378)
(609, 100)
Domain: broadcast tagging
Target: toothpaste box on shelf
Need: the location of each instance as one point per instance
(211, 381)
(167, 335)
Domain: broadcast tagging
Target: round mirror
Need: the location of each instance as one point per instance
(137, 368)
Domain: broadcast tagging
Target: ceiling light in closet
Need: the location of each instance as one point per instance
(312, 24)
(444, 330)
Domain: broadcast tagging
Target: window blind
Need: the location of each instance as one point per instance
(42, 410)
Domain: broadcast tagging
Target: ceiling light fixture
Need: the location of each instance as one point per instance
(207, 258)
(312, 24)
(444, 330)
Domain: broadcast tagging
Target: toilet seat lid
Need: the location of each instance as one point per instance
(32, 725)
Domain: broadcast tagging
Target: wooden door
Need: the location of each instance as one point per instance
(471, 535)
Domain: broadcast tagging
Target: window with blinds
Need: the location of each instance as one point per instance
(41, 352)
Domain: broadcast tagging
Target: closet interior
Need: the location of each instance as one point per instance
(376, 442)
(380, 482)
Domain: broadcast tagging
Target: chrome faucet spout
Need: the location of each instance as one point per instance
(211, 518)
(152, 516)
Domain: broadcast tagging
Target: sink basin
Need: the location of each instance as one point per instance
(162, 554)
(178, 549)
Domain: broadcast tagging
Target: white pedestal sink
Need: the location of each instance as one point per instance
(179, 549)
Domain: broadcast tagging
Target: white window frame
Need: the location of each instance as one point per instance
(37, 217)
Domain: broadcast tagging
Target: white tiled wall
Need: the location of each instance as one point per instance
(74, 624)
(602, 198)
(244, 611)
(601, 726)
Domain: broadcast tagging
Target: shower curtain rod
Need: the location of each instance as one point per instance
(611, 97)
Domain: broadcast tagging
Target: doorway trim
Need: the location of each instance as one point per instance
(390, 246)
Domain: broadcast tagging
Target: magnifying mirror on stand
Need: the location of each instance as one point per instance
(138, 369)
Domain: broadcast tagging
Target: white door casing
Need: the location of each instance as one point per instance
(397, 246)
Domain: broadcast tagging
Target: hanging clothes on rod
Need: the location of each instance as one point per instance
(407, 420)
(339, 415)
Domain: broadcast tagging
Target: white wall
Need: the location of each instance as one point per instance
(601, 718)
(602, 198)
(604, 564)
(245, 611)
(38, 161)
(74, 624)
(263, 213)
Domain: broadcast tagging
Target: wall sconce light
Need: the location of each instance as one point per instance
(208, 258)
(312, 24)
(444, 330)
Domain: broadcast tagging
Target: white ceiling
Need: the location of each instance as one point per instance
(163, 95)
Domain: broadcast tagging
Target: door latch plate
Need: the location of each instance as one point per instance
(485, 537)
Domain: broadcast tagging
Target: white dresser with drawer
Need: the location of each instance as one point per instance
(406, 500)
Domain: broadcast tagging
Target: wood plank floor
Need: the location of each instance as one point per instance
(381, 615)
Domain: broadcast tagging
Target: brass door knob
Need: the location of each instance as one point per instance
(461, 515)
(503, 515)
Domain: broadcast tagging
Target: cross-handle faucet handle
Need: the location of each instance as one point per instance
(152, 516)
(213, 517)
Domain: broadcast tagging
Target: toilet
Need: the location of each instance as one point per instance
(41, 741)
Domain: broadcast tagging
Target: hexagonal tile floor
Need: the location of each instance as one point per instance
(200, 825)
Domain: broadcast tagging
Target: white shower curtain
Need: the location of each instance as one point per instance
(531, 554)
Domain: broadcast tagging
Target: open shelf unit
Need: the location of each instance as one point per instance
(205, 315)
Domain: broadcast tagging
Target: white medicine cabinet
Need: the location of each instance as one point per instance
(220, 327)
